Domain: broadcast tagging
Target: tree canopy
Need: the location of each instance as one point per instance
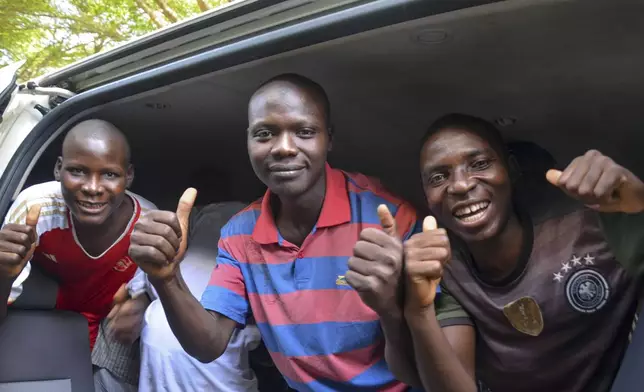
(50, 34)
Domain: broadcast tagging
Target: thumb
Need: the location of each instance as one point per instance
(387, 221)
(121, 295)
(553, 176)
(183, 215)
(429, 223)
(32, 215)
(119, 298)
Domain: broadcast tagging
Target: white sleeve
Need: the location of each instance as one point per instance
(16, 287)
(140, 284)
(48, 196)
(15, 215)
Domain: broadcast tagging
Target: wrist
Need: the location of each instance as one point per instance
(166, 284)
(420, 315)
(393, 315)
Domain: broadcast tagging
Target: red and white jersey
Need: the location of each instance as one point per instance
(87, 283)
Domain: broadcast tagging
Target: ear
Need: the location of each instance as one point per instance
(330, 132)
(514, 170)
(58, 167)
(129, 176)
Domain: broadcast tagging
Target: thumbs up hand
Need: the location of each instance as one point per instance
(160, 238)
(425, 255)
(600, 183)
(17, 244)
(376, 265)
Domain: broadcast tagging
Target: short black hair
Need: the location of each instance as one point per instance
(308, 84)
(477, 125)
(98, 129)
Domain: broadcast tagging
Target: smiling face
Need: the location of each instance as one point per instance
(94, 173)
(466, 183)
(288, 138)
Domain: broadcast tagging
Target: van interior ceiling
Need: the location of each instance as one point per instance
(564, 74)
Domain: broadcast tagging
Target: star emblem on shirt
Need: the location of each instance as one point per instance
(589, 260)
(575, 261)
(565, 267)
(558, 277)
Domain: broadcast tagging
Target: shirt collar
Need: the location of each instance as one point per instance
(336, 208)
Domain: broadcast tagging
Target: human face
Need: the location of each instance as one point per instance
(94, 175)
(466, 184)
(288, 139)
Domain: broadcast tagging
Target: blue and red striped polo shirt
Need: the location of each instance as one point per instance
(320, 334)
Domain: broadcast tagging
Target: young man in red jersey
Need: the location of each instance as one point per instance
(77, 228)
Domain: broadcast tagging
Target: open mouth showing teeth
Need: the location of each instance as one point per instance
(472, 212)
(91, 206)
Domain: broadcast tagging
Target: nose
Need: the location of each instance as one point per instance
(284, 145)
(93, 185)
(460, 183)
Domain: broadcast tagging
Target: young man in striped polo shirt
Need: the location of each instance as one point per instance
(285, 259)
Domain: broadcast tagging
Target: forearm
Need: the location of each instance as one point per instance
(399, 350)
(196, 329)
(439, 367)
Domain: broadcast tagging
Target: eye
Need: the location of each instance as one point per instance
(306, 133)
(111, 175)
(481, 164)
(75, 171)
(262, 134)
(437, 179)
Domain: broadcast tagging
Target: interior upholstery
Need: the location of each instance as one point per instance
(568, 72)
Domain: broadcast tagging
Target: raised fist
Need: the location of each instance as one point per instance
(600, 183)
(160, 238)
(426, 254)
(17, 244)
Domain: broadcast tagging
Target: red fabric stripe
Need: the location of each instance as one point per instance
(229, 277)
(405, 219)
(335, 241)
(236, 246)
(337, 367)
(310, 307)
(395, 386)
(326, 242)
(370, 184)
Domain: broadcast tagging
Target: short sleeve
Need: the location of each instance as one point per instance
(226, 290)
(448, 311)
(625, 235)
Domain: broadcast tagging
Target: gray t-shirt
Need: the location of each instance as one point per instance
(165, 366)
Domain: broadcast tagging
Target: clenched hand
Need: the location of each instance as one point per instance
(426, 254)
(160, 238)
(376, 264)
(17, 244)
(600, 183)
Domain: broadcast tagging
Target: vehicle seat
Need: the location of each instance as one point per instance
(45, 345)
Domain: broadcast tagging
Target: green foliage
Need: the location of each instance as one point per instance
(50, 34)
